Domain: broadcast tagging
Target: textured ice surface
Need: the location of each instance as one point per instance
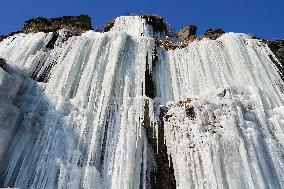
(231, 60)
(9, 86)
(82, 128)
(225, 141)
(235, 139)
(133, 25)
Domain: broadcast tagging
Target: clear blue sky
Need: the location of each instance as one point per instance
(263, 18)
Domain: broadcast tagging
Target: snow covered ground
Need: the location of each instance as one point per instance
(83, 126)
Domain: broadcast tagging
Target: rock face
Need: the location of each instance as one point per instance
(214, 33)
(2, 37)
(163, 176)
(277, 47)
(2, 62)
(156, 21)
(172, 45)
(77, 24)
(108, 26)
(187, 32)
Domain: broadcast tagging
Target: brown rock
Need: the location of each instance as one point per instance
(108, 26)
(2, 37)
(171, 45)
(187, 32)
(213, 33)
(77, 24)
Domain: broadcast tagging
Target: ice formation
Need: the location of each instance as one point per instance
(225, 141)
(82, 126)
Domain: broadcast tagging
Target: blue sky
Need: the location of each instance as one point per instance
(263, 18)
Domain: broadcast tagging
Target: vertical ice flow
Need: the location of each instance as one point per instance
(83, 126)
(227, 131)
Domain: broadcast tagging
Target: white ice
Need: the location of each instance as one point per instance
(235, 141)
(83, 127)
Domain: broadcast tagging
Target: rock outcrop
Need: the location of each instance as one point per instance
(2, 62)
(213, 33)
(188, 35)
(2, 37)
(163, 177)
(108, 26)
(277, 47)
(169, 44)
(77, 24)
(157, 22)
(187, 32)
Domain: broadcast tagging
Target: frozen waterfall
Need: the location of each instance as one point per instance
(73, 116)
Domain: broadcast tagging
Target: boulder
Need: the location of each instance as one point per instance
(187, 32)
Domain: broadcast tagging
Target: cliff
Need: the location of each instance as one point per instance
(133, 106)
(76, 24)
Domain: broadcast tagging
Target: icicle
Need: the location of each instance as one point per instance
(83, 127)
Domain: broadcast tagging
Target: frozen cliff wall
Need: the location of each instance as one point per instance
(225, 141)
(228, 129)
(83, 127)
(204, 66)
(9, 86)
(84, 112)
